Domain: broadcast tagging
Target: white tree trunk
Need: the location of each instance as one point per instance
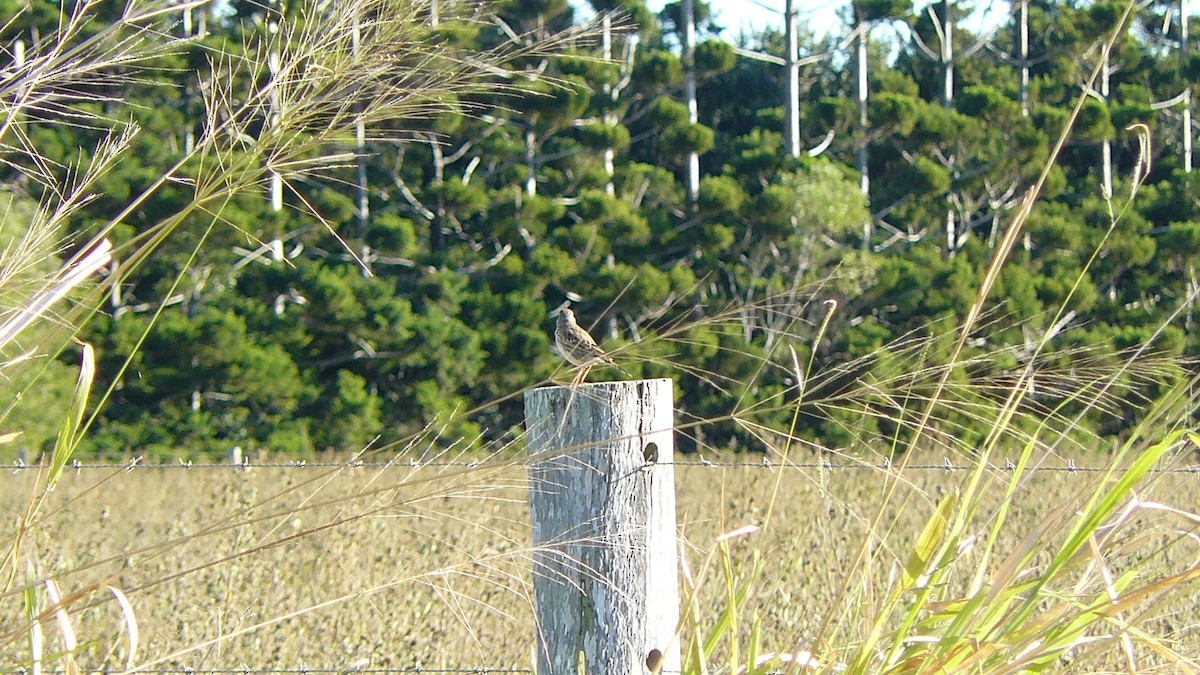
(609, 118)
(860, 154)
(1023, 47)
(793, 79)
(1184, 57)
(1187, 131)
(689, 66)
(1106, 148)
(947, 55)
(363, 205)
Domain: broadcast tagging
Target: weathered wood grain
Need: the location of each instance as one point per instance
(602, 494)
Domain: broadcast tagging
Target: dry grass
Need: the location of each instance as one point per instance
(430, 568)
(361, 567)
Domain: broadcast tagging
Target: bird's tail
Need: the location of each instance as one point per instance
(613, 364)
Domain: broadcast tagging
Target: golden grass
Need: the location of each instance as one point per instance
(431, 568)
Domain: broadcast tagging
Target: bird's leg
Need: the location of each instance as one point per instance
(582, 376)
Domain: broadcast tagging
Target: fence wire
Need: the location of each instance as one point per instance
(302, 671)
(415, 670)
(1068, 467)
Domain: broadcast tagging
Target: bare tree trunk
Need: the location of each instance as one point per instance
(437, 226)
(609, 153)
(1106, 149)
(860, 154)
(948, 102)
(1023, 52)
(1187, 130)
(689, 65)
(793, 79)
(276, 179)
(189, 128)
(1184, 38)
(530, 160)
(950, 234)
(273, 64)
(360, 153)
(1184, 58)
(947, 55)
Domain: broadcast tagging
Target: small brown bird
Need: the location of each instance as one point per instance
(577, 347)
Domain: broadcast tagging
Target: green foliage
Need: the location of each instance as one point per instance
(878, 10)
(715, 56)
(1125, 114)
(355, 415)
(784, 302)
(987, 102)
(681, 140)
(598, 136)
(658, 69)
(895, 111)
(319, 328)
(1103, 16)
(927, 177)
(758, 155)
(1095, 123)
(826, 200)
(667, 112)
(1052, 120)
(393, 234)
(896, 82)
(720, 195)
(38, 388)
(557, 102)
(589, 69)
(830, 110)
(466, 200)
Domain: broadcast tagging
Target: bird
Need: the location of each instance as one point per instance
(577, 347)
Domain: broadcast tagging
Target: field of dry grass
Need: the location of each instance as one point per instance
(367, 567)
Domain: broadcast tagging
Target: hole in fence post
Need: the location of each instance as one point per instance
(654, 661)
(650, 452)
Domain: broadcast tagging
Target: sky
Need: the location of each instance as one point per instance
(737, 16)
(821, 16)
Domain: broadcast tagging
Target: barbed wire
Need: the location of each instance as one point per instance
(1069, 467)
(312, 671)
(305, 671)
(323, 671)
(351, 670)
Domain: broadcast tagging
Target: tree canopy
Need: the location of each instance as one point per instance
(326, 325)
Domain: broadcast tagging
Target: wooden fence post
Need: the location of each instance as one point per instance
(602, 495)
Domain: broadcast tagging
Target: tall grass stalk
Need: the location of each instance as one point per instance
(1068, 591)
(968, 594)
(319, 91)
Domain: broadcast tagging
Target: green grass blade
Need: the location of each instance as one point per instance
(71, 431)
